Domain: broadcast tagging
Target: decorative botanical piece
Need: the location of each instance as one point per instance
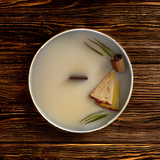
(115, 101)
(106, 49)
(103, 93)
(116, 60)
(106, 94)
(94, 117)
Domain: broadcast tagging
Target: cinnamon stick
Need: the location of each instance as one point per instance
(118, 63)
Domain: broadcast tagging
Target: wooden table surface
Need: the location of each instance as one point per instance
(25, 25)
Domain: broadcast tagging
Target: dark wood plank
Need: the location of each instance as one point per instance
(80, 151)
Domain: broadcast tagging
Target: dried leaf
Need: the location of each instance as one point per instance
(105, 50)
(93, 117)
(94, 49)
(105, 46)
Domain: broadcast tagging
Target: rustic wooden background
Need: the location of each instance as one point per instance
(25, 25)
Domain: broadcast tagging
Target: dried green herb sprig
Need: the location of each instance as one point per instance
(94, 49)
(94, 117)
(106, 49)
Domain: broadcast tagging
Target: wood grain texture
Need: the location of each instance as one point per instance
(78, 151)
(26, 25)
